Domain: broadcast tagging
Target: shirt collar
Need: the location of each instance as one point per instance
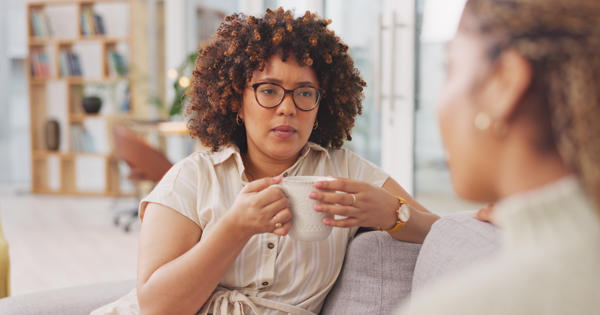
(232, 151)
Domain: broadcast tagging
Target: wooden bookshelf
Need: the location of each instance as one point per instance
(59, 171)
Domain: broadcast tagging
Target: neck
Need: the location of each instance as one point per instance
(258, 165)
(525, 170)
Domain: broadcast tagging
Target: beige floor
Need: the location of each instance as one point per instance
(57, 242)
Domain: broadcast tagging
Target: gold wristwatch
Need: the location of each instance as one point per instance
(402, 216)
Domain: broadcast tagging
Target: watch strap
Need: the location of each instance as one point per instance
(399, 223)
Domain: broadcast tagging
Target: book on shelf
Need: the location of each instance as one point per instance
(75, 64)
(99, 25)
(40, 64)
(117, 66)
(91, 23)
(40, 24)
(81, 140)
(69, 64)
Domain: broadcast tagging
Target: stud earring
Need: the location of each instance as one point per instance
(482, 121)
(238, 120)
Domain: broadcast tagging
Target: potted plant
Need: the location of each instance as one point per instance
(180, 86)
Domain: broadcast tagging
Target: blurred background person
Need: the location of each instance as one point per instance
(520, 120)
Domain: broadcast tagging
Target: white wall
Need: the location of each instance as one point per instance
(14, 109)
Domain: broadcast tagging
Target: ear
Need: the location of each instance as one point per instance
(510, 84)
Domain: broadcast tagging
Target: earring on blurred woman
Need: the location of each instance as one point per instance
(482, 121)
(316, 125)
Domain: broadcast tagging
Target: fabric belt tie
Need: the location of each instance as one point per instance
(224, 301)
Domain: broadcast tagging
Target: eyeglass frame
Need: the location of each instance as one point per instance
(286, 91)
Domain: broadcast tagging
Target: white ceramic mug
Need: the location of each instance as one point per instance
(307, 224)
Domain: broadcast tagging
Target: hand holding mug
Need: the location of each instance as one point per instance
(360, 203)
(261, 207)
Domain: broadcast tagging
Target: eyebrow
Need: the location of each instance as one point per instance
(274, 80)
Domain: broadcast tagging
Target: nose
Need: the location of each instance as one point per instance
(287, 107)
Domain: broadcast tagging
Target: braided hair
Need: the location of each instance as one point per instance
(244, 44)
(561, 40)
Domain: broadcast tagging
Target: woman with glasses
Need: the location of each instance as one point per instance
(520, 119)
(272, 97)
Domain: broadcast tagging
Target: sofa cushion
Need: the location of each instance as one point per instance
(376, 276)
(453, 243)
(75, 300)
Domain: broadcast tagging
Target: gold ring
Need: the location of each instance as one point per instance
(353, 199)
(278, 225)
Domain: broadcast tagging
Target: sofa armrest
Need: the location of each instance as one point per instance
(75, 300)
(454, 242)
(376, 276)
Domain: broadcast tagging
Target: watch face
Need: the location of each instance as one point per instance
(404, 213)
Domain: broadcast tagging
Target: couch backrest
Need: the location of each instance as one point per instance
(377, 275)
(454, 242)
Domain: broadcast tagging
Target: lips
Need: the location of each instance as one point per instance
(283, 131)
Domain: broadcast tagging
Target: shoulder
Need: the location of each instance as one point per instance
(469, 292)
(192, 162)
(207, 158)
(191, 168)
(342, 154)
(523, 282)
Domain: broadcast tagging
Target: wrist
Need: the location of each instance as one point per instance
(401, 214)
(388, 220)
(232, 223)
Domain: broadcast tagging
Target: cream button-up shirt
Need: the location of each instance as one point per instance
(272, 274)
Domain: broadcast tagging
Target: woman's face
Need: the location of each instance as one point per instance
(469, 150)
(278, 133)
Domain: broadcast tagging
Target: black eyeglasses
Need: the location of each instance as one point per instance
(270, 95)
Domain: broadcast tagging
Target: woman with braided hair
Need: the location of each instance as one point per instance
(520, 120)
(272, 96)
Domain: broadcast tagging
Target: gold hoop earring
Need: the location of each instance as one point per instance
(482, 121)
(316, 125)
(238, 120)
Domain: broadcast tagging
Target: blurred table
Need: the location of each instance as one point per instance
(171, 137)
(173, 127)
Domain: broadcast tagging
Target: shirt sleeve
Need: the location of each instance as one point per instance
(363, 170)
(177, 190)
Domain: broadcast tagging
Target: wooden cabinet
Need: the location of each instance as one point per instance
(77, 49)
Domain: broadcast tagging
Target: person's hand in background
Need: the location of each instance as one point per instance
(486, 214)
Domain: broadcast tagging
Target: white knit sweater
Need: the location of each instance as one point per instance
(549, 263)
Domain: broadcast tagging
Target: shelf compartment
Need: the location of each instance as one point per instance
(66, 171)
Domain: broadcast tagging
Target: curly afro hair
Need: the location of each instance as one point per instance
(244, 44)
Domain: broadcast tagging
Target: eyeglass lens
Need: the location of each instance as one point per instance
(270, 95)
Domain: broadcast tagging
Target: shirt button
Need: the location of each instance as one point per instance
(270, 245)
(265, 283)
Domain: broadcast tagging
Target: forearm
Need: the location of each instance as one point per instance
(417, 227)
(183, 285)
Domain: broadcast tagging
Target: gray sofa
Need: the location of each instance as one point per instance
(378, 274)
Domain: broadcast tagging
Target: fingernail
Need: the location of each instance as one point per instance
(312, 194)
(318, 184)
(327, 221)
(277, 178)
(318, 207)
